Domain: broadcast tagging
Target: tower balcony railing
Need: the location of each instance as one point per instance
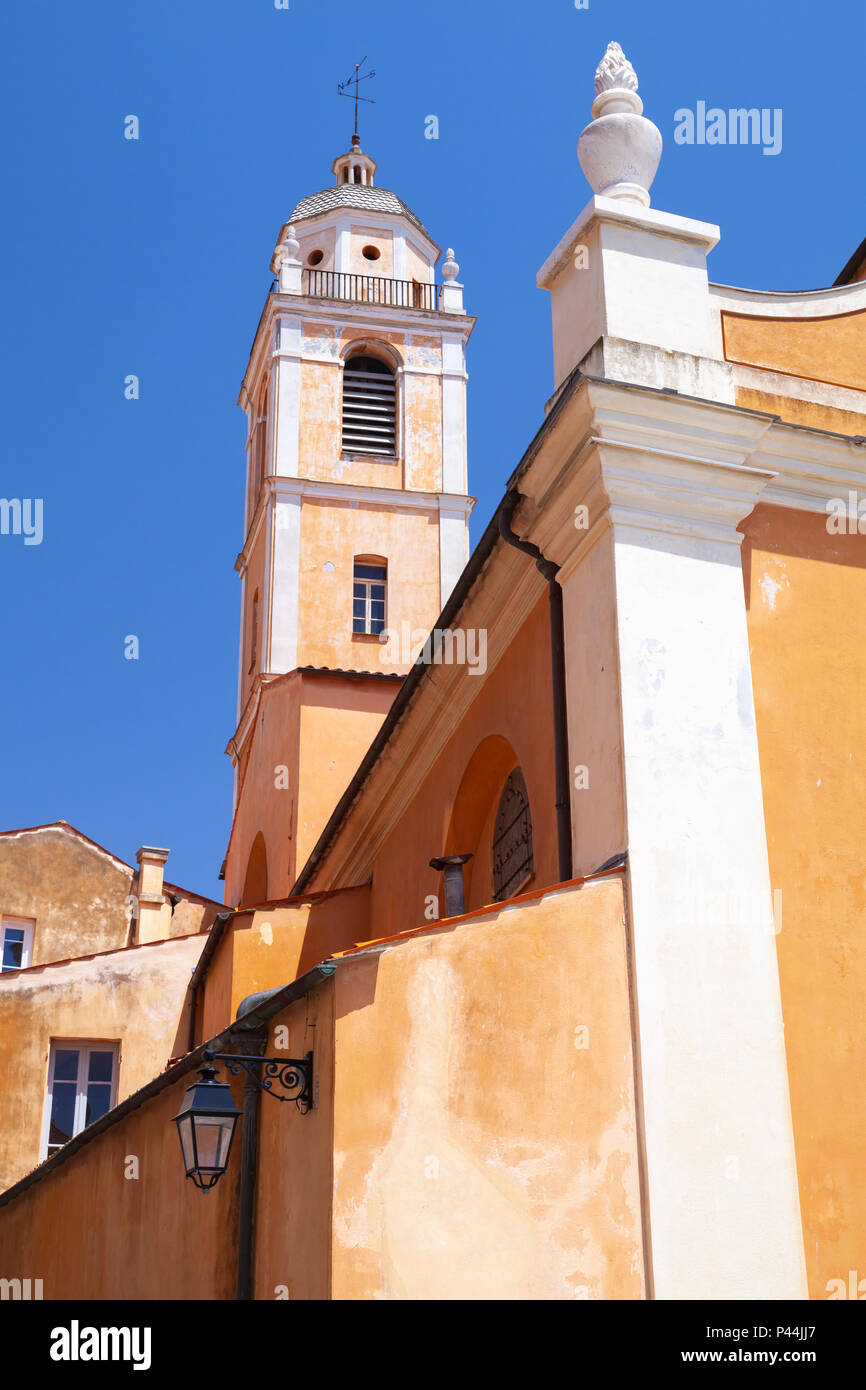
(370, 289)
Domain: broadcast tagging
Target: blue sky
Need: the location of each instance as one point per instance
(151, 257)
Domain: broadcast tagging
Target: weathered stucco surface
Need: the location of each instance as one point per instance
(806, 595)
(271, 946)
(484, 1140)
(136, 998)
(473, 1136)
(79, 895)
(76, 892)
(831, 349)
(89, 1231)
(337, 717)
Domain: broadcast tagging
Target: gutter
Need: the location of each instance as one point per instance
(549, 570)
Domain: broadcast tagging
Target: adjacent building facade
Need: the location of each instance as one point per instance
(575, 941)
(94, 988)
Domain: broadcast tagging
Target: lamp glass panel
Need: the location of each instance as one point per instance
(212, 1138)
(184, 1129)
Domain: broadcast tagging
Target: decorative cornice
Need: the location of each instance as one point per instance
(811, 467)
(645, 460)
(384, 316)
(769, 381)
(374, 318)
(396, 498)
(821, 303)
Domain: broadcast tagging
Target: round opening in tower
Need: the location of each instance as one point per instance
(315, 258)
(371, 253)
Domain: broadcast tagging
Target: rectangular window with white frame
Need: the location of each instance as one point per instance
(369, 596)
(16, 942)
(82, 1086)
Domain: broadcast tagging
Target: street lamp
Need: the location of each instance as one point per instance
(208, 1115)
(206, 1126)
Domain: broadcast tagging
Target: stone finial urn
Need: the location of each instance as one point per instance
(619, 151)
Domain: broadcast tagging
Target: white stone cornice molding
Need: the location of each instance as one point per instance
(769, 382)
(657, 491)
(647, 461)
(373, 318)
(642, 364)
(795, 304)
(364, 494)
(811, 467)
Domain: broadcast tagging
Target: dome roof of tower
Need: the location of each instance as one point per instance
(356, 195)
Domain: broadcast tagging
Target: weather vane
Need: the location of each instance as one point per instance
(342, 87)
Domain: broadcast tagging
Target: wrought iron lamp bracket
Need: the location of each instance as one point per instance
(292, 1074)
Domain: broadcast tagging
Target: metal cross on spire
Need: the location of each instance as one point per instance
(356, 78)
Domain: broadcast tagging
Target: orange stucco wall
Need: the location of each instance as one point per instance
(806, 595)
(339, 720)
(56, 878)
(802, 412)
(454, 806)
(332, 534)
(78, 895)
(419, 462)
(441, 1160)
(273, 945)
(273, 810)
(320, 239)
(293, 1256)
(136, 998)
(90, 1232)
(462, 1168)
(831, 349)
(338, 717)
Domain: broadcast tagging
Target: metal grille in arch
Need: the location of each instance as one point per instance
(512, 839)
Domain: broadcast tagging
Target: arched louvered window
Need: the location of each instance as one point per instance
(369, 408)
(512, 839)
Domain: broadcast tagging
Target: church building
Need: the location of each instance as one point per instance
(541, 964)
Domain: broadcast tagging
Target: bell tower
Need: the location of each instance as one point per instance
(356, 505)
